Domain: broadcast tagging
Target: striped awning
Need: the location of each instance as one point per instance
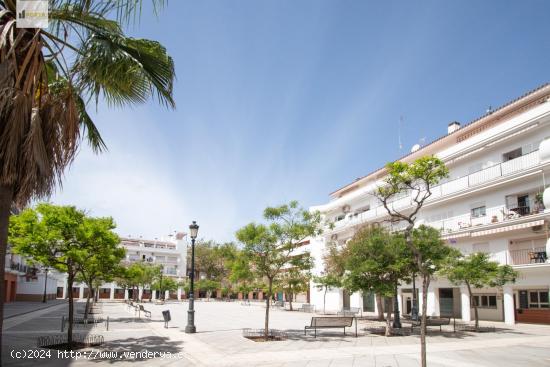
(508, 228)
(452, 236)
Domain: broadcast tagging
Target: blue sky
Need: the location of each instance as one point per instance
(282, 100)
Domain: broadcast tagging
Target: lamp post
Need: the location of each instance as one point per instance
(45, 284)
(190, 328)
(161, 295)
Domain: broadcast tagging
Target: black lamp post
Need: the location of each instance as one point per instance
(161, 295)
(396, 319)
(190, 328)
(45, 284)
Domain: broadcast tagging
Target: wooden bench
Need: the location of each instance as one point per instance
(330, 323)
(350, 312)
(145, 312)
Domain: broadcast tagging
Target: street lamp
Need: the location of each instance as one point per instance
(190, 328)
(161, 295)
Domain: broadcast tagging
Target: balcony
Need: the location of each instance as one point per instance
(457, 185)
(535, 255)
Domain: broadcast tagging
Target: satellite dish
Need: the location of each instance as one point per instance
(415, 148)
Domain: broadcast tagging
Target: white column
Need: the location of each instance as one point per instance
(65, 288)
(81, 292)
(465, 304)
(166, 294)
(509, 312)
(112, 294)
(140, 293)
(420, 300)
(433, 302)
(126, 294)
(400, 300)
(154, 295)
(179, 294)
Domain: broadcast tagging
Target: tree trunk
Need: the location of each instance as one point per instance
(476, 315)
(267, 302)
(290, 300)
(380, 307)
(325, 301)
(70, 281)
(425, 284)
(6, 197)
(87, 307)
(388, 319)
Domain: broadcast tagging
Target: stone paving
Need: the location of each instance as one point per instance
(219, 340)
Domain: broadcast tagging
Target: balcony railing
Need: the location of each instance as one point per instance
(459, 184)
(535, 255)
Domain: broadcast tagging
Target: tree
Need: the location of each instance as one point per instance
(61, 237)
(417, 180)
(270, 247)
(377, 261)
(48, 76)
(209, 286)
(478, 271)
(101, 265)
(326, 281)
(295, 279)
(164, 284)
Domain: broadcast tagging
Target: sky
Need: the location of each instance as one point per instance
(290, 100)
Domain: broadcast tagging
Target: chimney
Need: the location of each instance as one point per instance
(453, 126)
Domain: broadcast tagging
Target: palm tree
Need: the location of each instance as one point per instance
(47, 78)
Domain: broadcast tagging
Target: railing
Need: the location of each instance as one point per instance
(535, 255)
(459, 184)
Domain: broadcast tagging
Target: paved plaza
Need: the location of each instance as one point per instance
(219, 341)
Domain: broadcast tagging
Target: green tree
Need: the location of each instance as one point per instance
(295, 279)
(101, 265)
(478, 271)
(377, 261)
(415, 179)
(48, 76)
(271, 247)
(326, 281)
(61, 237)
(209, 286)
(163, 284)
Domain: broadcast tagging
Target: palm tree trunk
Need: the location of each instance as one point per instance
(380, 307)
(6, 197)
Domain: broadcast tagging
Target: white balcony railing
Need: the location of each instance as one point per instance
(535, 255)
(459, 184)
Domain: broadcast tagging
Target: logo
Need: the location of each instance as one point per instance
(32, 13)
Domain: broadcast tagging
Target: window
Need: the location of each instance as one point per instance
(478, 212)
(538, 299)
(516, 153)
(485, 301)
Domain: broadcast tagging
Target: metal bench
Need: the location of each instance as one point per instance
(330, 323)
(429, 322)
(306, 307)
(350, 311)
(145, 312)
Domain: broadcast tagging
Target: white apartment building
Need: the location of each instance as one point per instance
(499, 167)
(171, 253)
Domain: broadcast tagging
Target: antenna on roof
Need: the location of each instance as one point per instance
(489, 109)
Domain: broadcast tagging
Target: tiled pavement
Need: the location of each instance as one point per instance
(219, 340)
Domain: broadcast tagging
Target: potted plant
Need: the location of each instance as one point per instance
(539, 205)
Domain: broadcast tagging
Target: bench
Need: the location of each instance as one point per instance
(245, 302)
(429, 322)
(306, 307)
(280, 304)
(350, 311)
(145, 312)
(329, 322)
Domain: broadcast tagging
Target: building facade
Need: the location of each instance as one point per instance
(171, 253)
(496, 201)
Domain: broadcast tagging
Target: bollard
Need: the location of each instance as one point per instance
(62, 322)
(107, 323)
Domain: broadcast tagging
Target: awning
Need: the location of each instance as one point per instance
(452, 236)
(508, 228)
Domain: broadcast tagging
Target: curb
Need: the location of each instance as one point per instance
(36, 309)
